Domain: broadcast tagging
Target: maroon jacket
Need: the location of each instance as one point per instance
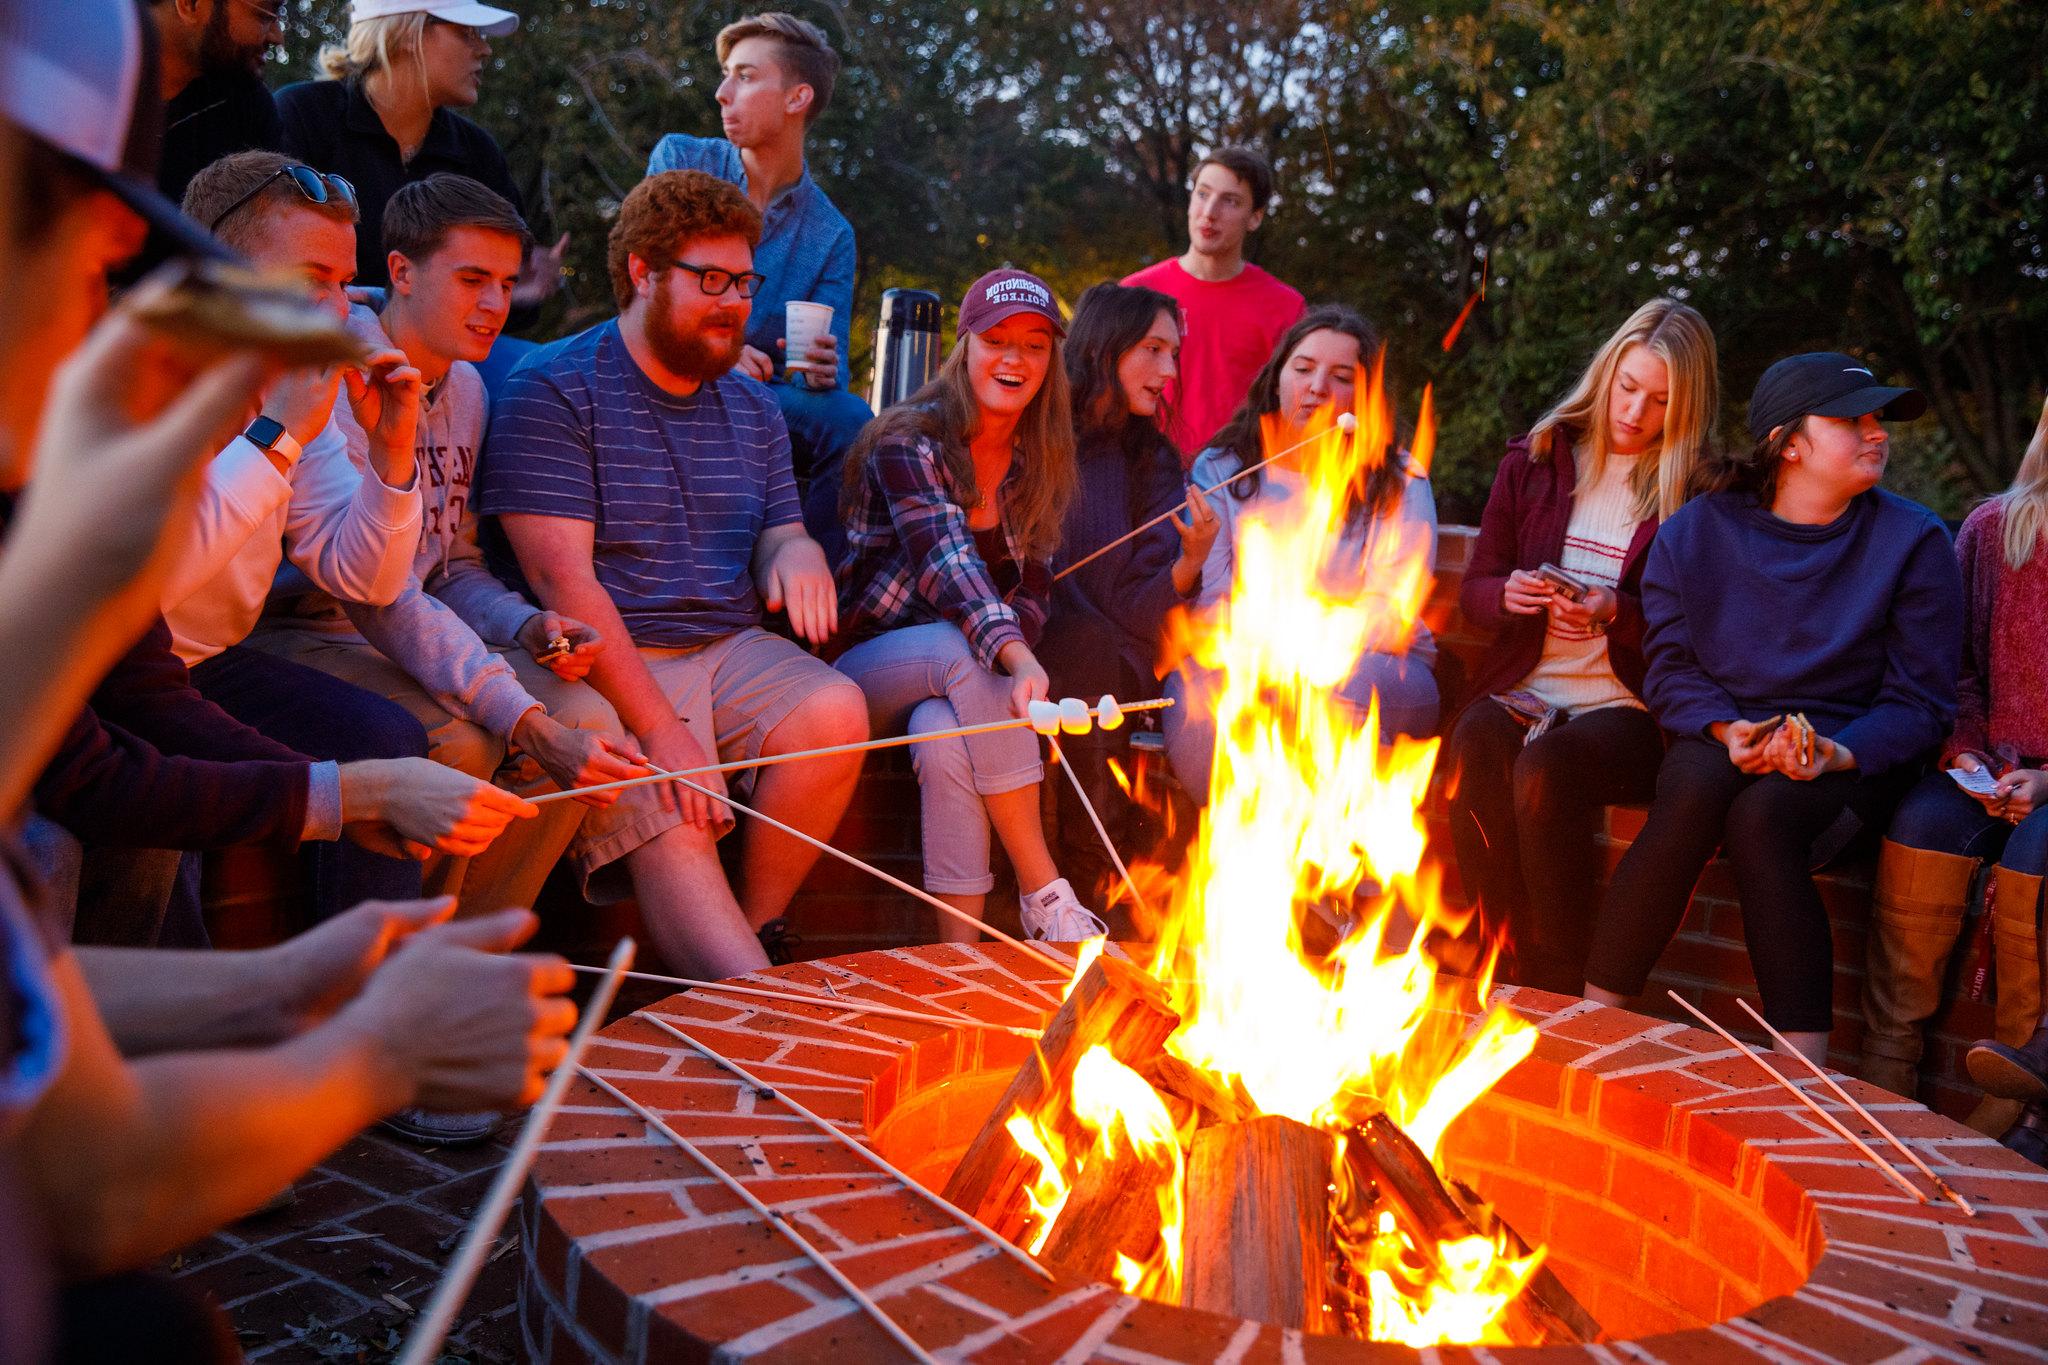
(1523, 527)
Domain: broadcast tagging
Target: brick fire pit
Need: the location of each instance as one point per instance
(1699, 1212)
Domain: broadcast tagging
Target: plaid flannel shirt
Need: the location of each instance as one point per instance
(912, 560)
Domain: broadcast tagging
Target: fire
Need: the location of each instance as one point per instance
(1297, 946)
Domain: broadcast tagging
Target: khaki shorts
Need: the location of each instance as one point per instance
(731, 695)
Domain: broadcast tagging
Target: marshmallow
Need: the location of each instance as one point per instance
(1045, 717)
(1108, 714)
(1074, 717)
(1347, 422)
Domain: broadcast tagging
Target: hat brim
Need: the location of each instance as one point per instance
(168, 224)
(1016, 310)
(1893, 405)
(488, 20)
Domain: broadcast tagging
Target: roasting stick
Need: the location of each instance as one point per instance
(865, 746)
(1825, 1117)
(830, 1002)
(775, 1220)
(1946, 1189)
(859, 1149)
(1346, 423)
(1136, 897)
(424, 1345)
(1046, 950)
(826, 1001)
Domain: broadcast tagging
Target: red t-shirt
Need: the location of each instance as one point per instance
(1230, 328)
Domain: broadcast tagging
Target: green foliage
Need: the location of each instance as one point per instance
(1808, 174)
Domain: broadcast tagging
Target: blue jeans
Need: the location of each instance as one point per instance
(1409, 705)
(323, 718)
(822, 426)
(1941, 817)
(925, 678)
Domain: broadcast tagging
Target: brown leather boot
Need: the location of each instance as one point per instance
(1915, 919)
(2014, 906)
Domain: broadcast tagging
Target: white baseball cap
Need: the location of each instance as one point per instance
(488, 20)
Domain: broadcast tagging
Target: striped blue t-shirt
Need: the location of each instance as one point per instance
(679, 489)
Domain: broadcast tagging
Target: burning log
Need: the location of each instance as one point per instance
(1113, 1005)
(1380, 1154)
(1257, 1242)
(1193, 1096)
(1114, 1208)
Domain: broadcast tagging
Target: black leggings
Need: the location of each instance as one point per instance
(1524, 819)
(1768, 826)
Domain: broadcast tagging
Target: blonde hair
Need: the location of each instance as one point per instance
(945, 411)
(2025, 504)
(375, 44)
(1667, 473)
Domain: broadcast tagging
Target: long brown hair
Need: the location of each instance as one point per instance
(945, 411)
(1673, 469)
(1109, 319)
(1376, 486)
(2026, 502)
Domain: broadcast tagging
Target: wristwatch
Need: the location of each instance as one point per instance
(268, 435)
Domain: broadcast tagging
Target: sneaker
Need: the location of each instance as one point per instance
(783, 944)
(1054, 914)
(443, 1130)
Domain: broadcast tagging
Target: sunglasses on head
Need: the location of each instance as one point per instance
(317, 187)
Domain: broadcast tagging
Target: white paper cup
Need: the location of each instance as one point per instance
(803, 324)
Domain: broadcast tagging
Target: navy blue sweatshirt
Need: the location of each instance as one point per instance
(1858, 623)
(1130, 589)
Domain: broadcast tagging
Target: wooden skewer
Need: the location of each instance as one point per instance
(864, 746)
(1946, 1189)
(859, 1149)
(427, 1335)
(1345, 425)
(1137, 898)
(775, 1220)
(1825, 1117)
(1044, 949)
(823, 1001)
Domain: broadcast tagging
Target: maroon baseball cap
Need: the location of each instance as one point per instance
(1006, 293)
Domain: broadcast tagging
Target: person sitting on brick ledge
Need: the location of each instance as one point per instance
(1585, 491)
(645, 487)
(1798, 591)
(1943, 834)
(953, 505)
(1109, 616)
(1390, 512)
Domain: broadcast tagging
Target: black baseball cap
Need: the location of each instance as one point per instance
(1825, 384)
(81, 77)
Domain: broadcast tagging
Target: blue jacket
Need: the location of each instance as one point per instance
(1858, 624)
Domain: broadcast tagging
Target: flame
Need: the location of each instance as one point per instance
(1298, 942)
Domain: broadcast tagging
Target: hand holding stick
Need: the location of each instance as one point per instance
(425, 1343)
(1346, 424)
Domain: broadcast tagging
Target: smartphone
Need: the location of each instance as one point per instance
(1570, 586)
(1977, 781)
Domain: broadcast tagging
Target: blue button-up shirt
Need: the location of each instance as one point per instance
(806, 246)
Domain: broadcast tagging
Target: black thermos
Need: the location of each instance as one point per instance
(906, 346)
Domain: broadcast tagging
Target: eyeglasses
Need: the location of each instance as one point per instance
(715, 282)
(317, 188)
(469, 32)
(278, 14)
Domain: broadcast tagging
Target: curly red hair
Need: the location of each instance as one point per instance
(666, 210)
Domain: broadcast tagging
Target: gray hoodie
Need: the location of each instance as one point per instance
(452, 606)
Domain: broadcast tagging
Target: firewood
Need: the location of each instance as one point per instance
(1379, 1153)
(1114, 1005)
(1193, 1096)
(1257, 1243)
(1114, 1207)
